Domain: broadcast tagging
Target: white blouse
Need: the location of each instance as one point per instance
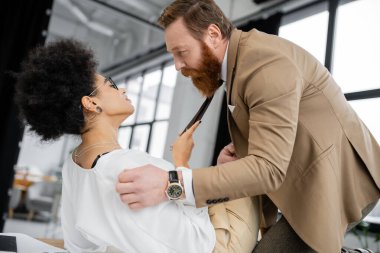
(94, 218)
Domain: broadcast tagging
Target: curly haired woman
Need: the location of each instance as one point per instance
(59, 92)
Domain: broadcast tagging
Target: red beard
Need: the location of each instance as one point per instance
(206, 78)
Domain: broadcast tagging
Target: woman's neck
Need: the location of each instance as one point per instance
(95, 141)
(101, 133)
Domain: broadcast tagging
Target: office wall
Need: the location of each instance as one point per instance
(44, 157)
(186, 103)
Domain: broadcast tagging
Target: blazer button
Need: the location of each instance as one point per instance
(226, 199)
(209, 202)
(214, 201)
(220, 200)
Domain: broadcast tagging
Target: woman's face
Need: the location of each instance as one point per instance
(112, 100)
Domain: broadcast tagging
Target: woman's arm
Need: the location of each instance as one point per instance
(183, 147)
(167, 227)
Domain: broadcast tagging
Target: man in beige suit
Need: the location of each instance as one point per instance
(301, 148)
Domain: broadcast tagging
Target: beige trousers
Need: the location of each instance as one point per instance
(236, 225)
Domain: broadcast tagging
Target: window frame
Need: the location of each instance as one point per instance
(332, 7)
(161, 66)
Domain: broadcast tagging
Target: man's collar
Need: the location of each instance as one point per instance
(223, 73)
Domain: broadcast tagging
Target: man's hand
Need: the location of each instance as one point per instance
(227, 154)
(142, 186)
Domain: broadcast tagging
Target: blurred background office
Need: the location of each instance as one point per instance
(342, 34)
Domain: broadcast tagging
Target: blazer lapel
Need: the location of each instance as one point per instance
(231, 61)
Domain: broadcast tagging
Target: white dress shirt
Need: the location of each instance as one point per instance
(94, 218)
(187, 173)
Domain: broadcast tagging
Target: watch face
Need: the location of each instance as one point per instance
(174, 191)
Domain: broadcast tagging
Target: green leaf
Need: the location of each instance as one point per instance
(377, 238)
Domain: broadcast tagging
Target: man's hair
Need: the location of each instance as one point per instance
(50, 85)
(197, 15)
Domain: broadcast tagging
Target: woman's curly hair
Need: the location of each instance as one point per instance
(49, 88)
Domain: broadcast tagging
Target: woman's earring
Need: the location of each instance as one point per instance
(98, 109)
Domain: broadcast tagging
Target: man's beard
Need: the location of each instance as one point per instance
(206, 78)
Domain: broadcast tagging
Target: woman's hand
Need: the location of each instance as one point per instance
(183, 147)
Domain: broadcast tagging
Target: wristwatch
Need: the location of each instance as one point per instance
(174, 189)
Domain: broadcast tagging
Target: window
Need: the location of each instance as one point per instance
(309, 33)
(151, 93)
(368, 111)
(140, 137)
(157, 146)
(356, 55)
(148, 94)
(354, 58)
(357, 52)
(167, 91)
(133, 87)
(125, 136)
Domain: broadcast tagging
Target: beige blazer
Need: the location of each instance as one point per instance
(298, 140)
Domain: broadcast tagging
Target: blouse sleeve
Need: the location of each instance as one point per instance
(167, 227)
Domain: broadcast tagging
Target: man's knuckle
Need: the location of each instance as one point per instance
(118, 188)
(144, 200)
(123, 198)
(138, 188)
(121, 177)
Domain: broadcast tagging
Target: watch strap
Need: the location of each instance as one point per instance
(173, 176)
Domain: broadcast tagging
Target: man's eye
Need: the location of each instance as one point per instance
(182, 53)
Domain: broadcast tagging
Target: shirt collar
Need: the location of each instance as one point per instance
(223, 73)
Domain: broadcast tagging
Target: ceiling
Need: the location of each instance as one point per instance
(121, 30)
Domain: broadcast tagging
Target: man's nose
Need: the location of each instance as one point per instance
(179, 64)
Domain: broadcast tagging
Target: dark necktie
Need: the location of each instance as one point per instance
(201, 111)
(199, 114)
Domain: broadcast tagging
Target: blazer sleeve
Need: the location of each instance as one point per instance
(272, 96)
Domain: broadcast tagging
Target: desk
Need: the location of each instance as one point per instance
(52, 242)
(27, 244)
(23, 180)
(22, 184)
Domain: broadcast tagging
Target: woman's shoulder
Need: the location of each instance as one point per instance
(128, 156)
(118, 160)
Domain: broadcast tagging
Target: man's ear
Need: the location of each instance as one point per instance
(214, 35)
